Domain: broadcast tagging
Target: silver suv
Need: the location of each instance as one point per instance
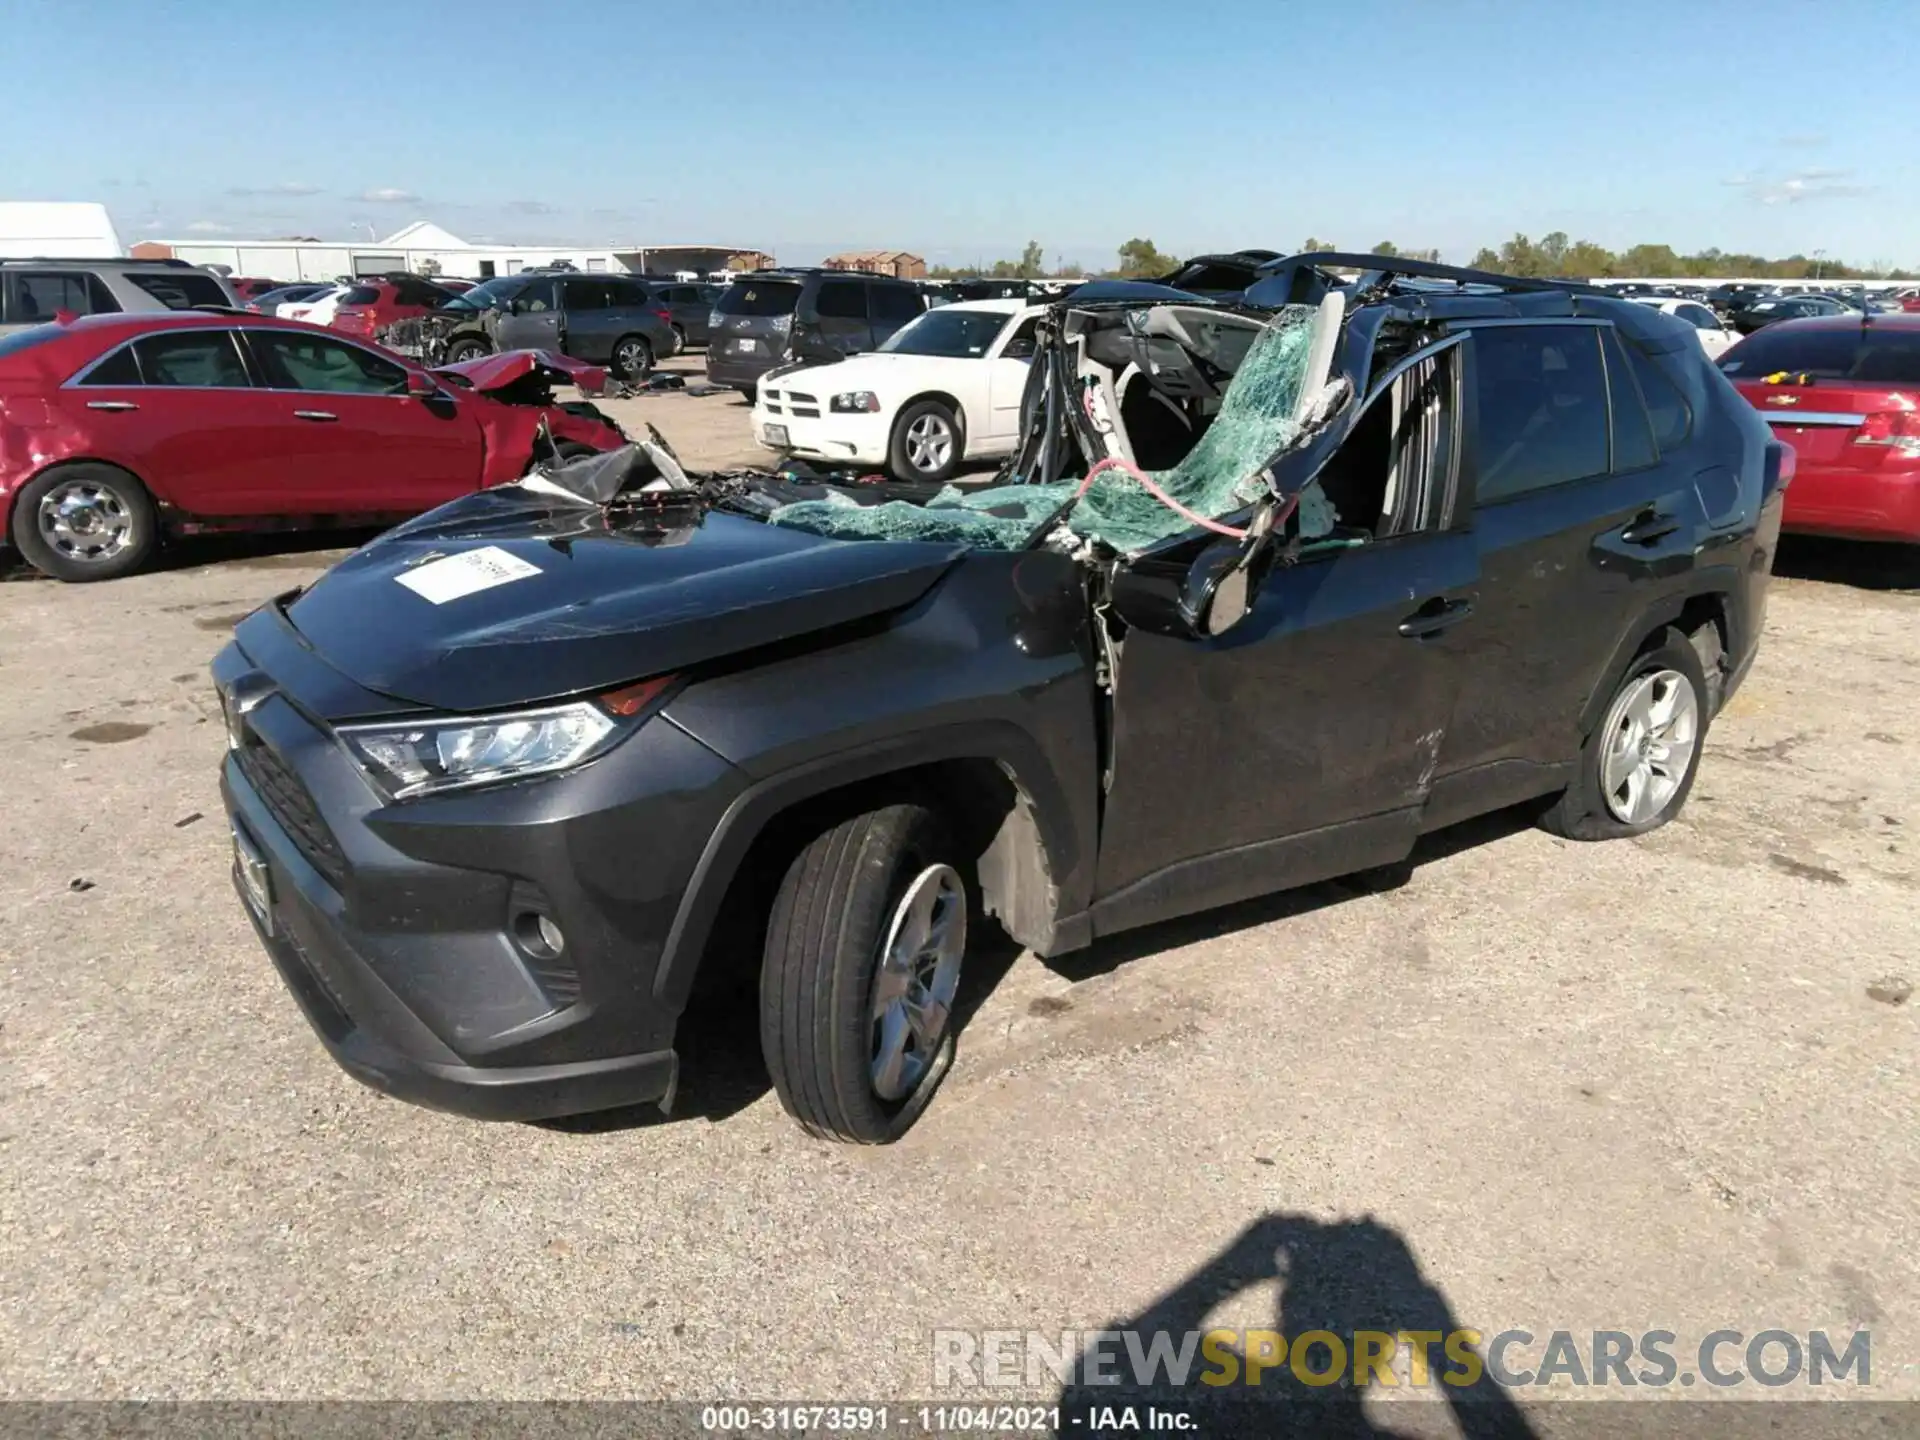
(33, 292)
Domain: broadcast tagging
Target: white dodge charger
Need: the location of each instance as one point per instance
(942, 390)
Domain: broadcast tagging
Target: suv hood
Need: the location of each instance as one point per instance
(504, 598)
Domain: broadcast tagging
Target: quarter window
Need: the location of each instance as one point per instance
(1541, 398)
(841, 300)
(1633, 447)
(895, 304)
(1667, 407)
(180, 289)
(295, 361)
(119, 368)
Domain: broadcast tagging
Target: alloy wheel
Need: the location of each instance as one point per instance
(84, 521)
(1651, 734)
(930, 443)
(916, 980)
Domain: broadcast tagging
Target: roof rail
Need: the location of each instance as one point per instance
(94, 260)
(1391, 265)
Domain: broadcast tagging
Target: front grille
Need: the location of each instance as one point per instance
(293, 808)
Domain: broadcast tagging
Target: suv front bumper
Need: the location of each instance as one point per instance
(396, 926)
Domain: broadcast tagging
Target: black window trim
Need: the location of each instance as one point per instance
(1511, 322)
(1646, 411)
(258, 366)
(79, 378)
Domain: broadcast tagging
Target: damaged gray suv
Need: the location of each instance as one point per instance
(1272, 587)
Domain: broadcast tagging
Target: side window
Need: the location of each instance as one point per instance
(1633, 447)
(295, 361)
(1667, 408)
(119, 368)
(1394, 474)
(841, 300)
(1702, 318)
(629, 296)
(100, 297)
(1019, 344)
(534, 298)
(41, 294)
(896, 304)
(578, 295)
(1540, 396)
(204, 359)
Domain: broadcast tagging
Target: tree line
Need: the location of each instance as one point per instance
(1552, 255)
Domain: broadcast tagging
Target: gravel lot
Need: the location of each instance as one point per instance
(1628, 1086)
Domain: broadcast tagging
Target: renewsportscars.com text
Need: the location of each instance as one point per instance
(1014, 1359)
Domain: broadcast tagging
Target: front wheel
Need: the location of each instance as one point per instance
(926, 444)
(632, 359)
(1637, 767)
(864, 947)
(462, 351)
(86, 522)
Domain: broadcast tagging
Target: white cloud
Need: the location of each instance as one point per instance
(207, 227)
(530, 207)
(1802, 185)
(389, 196)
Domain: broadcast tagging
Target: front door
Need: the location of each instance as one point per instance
(1007, 374)
(353, 440)
(534, 320)
(1302, 743)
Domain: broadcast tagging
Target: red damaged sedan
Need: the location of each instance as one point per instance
(116, 430)
(1844, 392)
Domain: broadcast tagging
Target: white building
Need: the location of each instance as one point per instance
(427, 249)
(46, 227)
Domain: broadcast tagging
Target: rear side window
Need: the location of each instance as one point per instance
(761, 298)
(179, 289)
(841, 300)
(1633, 447)
(35, 295)
(203, 359)
(361, 295)
(1540, 395)
(586, 295)
(896, 304)
(119, 368)
(1667, 407)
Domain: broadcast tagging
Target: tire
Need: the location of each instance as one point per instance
(928, 442)
(679, 341)
(85, 522)
(846, 1059)
(1665, 678)
(461, 351)
(751, 392)
(632, 358)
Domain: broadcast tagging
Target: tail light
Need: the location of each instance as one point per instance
(1897, 430)
(665, 317)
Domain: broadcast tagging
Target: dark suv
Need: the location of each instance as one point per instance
(781, 317)
(1263, 596)
(34, 291)
(611, 320)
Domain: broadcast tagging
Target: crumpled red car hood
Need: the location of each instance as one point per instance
(497, 372)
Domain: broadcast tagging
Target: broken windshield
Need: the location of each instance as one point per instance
(1230, 439)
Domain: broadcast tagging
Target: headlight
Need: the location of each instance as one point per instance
(855, 402)
(455, 752)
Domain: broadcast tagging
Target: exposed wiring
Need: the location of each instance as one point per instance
(1114, 462)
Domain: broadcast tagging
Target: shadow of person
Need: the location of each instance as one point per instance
(1340, 1277)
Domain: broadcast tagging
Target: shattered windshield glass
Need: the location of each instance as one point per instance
(1223, 471)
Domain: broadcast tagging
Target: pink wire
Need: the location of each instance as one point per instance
(1114, 462)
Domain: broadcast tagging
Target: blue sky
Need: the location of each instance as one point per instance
(960, 132)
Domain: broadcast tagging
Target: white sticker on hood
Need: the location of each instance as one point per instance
(467, 573)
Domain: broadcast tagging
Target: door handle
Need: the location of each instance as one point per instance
(315, 415)
(1649, 527)
(111, 405)
(1435, 616)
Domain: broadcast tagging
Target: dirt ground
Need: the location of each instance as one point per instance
(1657, 1084)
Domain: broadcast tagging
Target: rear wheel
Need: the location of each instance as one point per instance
(632, 358)
(86, 522)
(1637, 767)
(679, 340)
(864, 948)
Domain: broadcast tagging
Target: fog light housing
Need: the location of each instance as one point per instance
(539, 935)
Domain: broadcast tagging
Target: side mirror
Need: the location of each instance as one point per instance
(1211, 596)
(422, 385)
